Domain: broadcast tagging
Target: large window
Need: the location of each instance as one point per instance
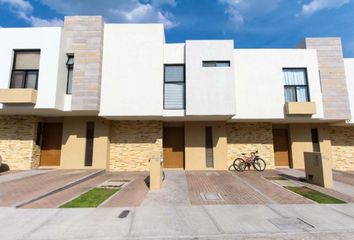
(25, 69)
(295, 85)
(70, 66)
(174, 89)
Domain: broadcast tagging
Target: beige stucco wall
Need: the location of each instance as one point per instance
(17, 142)
(132, 144)
(249, 137)
(342, 147)
(195, 145)
(74, 143)
(301, 141)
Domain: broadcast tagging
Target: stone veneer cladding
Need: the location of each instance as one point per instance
(342, 139)
(18, 148)
(332, 73)
(249, 137)
(133, 143)
(83, 36)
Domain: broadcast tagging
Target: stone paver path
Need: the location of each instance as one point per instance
(14, 175)
(18, 191)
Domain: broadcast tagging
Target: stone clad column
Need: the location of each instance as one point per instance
(83, 36)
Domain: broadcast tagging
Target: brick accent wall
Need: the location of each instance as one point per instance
(333, 82)
(18, 148)
(342, 139)
(83, 36)
(133, 143)
(248, 137)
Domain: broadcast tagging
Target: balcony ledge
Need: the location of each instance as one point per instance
(18, 96)
(300, 108)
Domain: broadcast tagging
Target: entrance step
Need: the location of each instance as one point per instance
(61, 188)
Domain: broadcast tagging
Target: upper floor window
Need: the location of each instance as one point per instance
(70, 66)
(174, 89)
(216, 63)
(295, 85)
(25, 69)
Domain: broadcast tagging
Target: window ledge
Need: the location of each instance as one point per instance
(300, 108)
(18, 96)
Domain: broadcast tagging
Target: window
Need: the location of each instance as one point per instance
(209, 147)
(295, 85)
(90, 128)
(70, 66)
(216, 63)
(174, 89)
(315, 140)
(25, 69)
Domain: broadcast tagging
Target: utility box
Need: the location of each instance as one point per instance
(318, 169)
(156, 174)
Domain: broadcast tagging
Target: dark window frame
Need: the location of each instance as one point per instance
(295, 86)
(184, 84)
(25, 71)
(209, 146)
(89, 144)
(70, 67)
(315, 140)
(216, 62)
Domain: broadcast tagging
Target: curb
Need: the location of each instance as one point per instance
(66, 186)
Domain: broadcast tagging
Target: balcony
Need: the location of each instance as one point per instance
(18, 96)
(300, 108)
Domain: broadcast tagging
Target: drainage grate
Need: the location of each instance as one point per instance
(210, 196)
(124, 214)
(290, 224)
(115, 183)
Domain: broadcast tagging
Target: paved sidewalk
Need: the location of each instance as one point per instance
(274, 221)
(174, 191)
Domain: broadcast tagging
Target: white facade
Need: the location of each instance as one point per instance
(132, 71)
(48, 41)
(259, 82)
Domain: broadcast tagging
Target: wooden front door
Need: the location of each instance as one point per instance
(51, 144)
(173, 147)
(281, 147)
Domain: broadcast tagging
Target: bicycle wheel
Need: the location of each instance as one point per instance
(259, 164)
(239, 165)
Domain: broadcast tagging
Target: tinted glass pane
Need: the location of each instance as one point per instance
(290, 94)
(295, 77)
(209, 64)
(31, 80)
(18, 79)
(174, 73)
(70, 60)
(174, 95)
(70, 81)
(301, 93)
(222, 64)
(27, 60)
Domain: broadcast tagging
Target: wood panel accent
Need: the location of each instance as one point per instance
(51, 144)
(281, 147)
(173, 147)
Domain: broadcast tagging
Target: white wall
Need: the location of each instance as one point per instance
(260, 85)
(349, 72)
(132, 71)
(209, 90)
(45, 39)
(174, 53)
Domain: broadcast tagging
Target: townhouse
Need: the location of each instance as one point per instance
(108, 96)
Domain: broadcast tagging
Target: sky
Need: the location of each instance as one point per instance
(250, 23)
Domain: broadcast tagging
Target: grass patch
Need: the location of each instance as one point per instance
(315, 195)
(91, 199)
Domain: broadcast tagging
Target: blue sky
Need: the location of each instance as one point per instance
(251, 23)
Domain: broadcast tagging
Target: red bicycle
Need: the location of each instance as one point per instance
(254, 160)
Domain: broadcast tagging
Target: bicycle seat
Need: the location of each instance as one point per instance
(243, 153)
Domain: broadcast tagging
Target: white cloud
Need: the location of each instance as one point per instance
(23, 9)
(131, 11)
(240, 11)
(317, 5)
